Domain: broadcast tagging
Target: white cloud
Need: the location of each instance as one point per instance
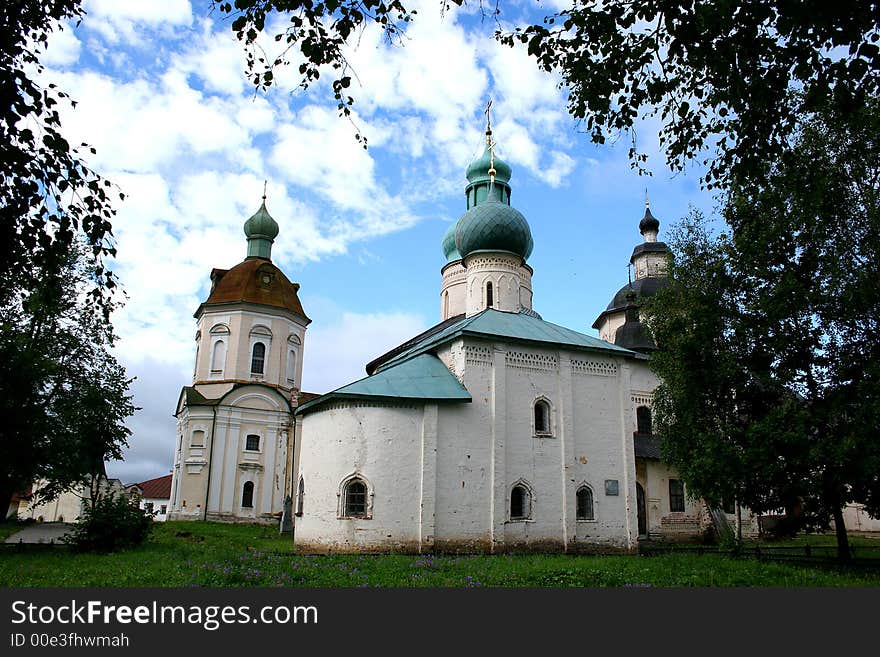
(217, 58)
(336, 354)
(63, 48)
(151, 446)
(123, 20)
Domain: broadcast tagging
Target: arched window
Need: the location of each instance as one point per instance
(542, 417)
(355, 502)
(218, 356)
(300, 493)
(643, 419)
(198, 438)
(446, 304)
(291, 365)
(252, 443)
(585, 504)
(247, 495)
(520, 503)
(490, 300)
(258, 358)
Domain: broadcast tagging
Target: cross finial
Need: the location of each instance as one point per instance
(488, 122)
(629, 279)
(265, 182)
(647, 202)
(489, 143)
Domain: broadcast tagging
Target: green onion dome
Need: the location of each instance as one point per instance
(478, 170)
(261, 230)
(449, 249)
(493, 226)
(261, 224)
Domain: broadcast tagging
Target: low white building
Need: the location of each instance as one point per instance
(66, 507)
(153, 496)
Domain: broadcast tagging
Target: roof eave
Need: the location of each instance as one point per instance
(221, 304)
(331, 396)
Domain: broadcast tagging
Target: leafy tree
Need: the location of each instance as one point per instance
(718, 73)
(64, 396)
(769, 343)
(49, 198)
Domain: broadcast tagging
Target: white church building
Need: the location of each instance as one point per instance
(493, 430)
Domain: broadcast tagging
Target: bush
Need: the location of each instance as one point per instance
(112, 524)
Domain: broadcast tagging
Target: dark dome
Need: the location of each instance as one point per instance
(643, 287)
(633, 335)
(649, 222)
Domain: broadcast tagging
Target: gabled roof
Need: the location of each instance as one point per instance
(493, 324)
(424, 335)
(158, 488)
(424, 377)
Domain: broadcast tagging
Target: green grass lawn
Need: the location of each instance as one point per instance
(211, 554)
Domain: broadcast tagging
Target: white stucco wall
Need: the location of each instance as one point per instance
(281, 332)
(453, 290)
(381, 444)
(255, 410)
(441, 475)
(158, 503)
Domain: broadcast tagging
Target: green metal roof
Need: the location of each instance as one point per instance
(478, 170)
(449, 250)
(423, 377)
(493, 226)
(261, 230)
(509, 326)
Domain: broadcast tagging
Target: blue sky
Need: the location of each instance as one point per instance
(161, 94)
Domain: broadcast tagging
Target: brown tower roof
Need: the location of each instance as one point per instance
(257, 281)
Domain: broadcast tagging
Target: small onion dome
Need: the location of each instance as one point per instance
(449, 249)
(261, 225)
(649, 222)
(478, 170)
(493, 226)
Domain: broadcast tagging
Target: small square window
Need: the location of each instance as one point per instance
(252, 443)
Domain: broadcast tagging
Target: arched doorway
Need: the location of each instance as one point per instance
(641, 510)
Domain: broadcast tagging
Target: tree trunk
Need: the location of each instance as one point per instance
(5, 499)
(843, 554)
(739, 523)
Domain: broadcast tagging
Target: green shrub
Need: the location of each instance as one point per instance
(112, 524)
